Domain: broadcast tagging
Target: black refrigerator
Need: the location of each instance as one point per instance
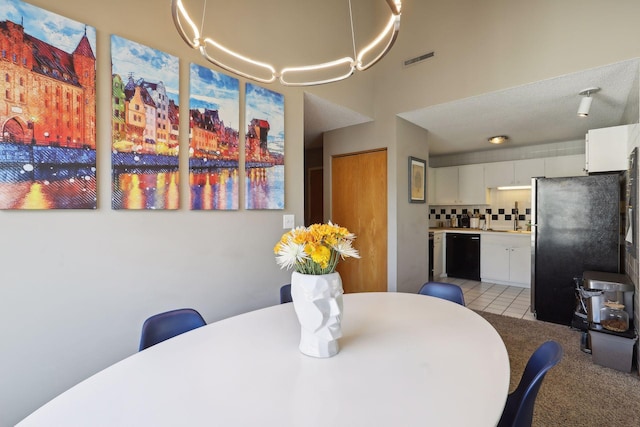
(575, 228)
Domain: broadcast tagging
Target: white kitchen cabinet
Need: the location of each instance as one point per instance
(506, 259)
(460, 185)
(516, 172)
(520, 262)
(471, 187)
(561, 166)
(494, 258)
(438, 260)
(446, 185)
(606, 149)
(524, 170)
(498, 173)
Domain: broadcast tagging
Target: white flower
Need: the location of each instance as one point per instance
(315, 249)
(290, 254)
(344, 248)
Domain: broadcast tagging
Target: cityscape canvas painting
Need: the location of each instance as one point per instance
(47, 110)
(144, 102)
(264, 148)
(214, 113)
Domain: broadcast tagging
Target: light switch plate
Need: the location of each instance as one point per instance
(288, 221)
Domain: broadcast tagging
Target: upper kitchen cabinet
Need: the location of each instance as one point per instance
(524, 170)
(446, 182)
(562, 166)
(606, 149)
(498, 174)
(460, 185)
(517, 172)
(471, 187)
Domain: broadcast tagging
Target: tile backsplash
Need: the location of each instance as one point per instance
(500, 213)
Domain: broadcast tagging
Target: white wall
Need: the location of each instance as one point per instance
(412, 224)
(490, 45)
(407, 262)
(356, 139)
(75, 286)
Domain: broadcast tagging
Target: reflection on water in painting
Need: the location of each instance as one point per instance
(265, 188)
(214, 189)
(47, 187)
(146, 189)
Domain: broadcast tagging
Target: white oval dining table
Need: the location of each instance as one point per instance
(405, 360)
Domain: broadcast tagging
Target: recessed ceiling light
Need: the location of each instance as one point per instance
(498, 139)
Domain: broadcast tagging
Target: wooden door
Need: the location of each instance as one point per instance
(359, 202)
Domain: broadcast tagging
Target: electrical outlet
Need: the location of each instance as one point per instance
(288, 221)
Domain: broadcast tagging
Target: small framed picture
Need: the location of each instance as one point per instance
(417, 180)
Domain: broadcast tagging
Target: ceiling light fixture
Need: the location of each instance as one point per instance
(498, 139)
(585, 102)
(264, 72)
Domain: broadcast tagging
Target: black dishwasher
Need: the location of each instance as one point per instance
(463, 255)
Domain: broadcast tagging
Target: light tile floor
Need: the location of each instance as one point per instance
(511, 301)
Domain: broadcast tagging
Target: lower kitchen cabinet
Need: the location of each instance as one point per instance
(438, 260)
(506, 259)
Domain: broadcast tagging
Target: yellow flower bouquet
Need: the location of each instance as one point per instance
(315, 249)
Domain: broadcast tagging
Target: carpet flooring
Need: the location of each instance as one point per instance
(576, 392)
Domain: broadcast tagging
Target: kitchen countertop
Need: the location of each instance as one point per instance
(479, 231)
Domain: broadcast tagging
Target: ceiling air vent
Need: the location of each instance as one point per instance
(417, 59)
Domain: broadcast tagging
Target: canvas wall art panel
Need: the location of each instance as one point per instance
(214, 114)
(144, 104)
(264, 148)
(47, 110)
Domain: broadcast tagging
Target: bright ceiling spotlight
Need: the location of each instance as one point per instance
(498, 139)
(263, 72)
(585, 102)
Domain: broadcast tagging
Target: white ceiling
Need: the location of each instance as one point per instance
(321, 116)
(536, 113)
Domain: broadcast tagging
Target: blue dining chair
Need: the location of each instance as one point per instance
(285, 294)
(162, 326)
(448, 291)
(518, 411)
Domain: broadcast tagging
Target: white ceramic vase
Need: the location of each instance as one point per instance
(317, 300)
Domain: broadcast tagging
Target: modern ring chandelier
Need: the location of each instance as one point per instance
(288, 76)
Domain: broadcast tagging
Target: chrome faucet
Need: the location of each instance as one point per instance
(515, 218)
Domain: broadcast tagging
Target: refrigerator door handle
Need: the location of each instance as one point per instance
(534, 230)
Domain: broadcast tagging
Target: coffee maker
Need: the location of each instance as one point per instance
(465, 221)
(594, 291)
